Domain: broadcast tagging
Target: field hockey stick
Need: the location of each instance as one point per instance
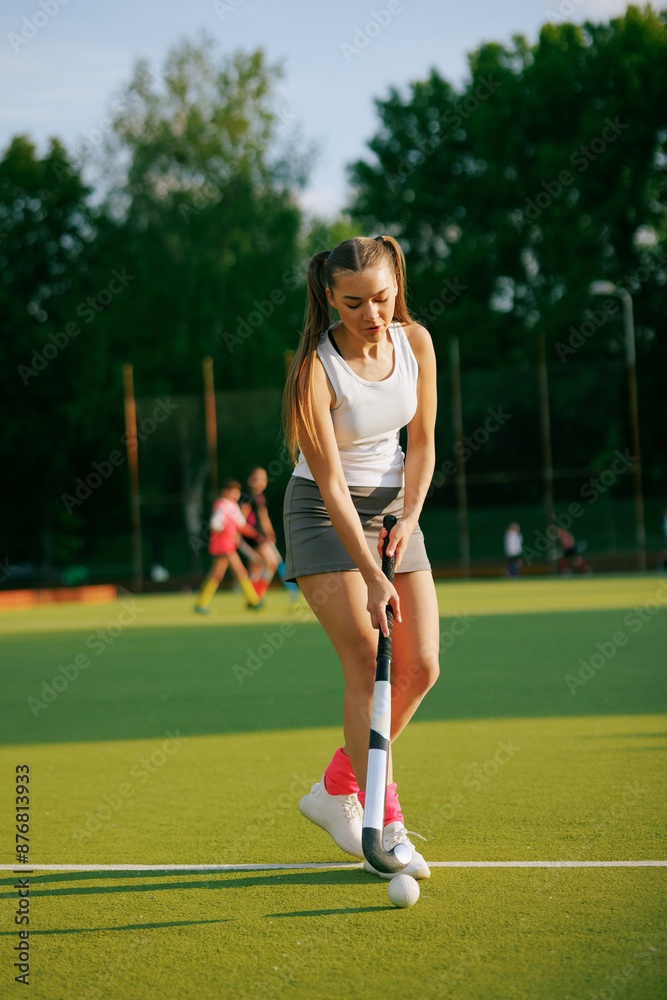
(379, 744)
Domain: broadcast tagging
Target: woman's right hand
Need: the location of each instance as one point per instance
(381, 593)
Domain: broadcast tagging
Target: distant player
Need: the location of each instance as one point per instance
(264, 557)
(226, 522)
(571, 557)
(513, 548)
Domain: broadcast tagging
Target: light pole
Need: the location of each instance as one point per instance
(609, 288)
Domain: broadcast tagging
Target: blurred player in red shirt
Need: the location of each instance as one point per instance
(571, 557)
(226, 522)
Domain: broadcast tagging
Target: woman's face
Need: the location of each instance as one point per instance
(365, 301)
(257, 481)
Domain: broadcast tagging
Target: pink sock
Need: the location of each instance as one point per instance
(339, 777)
(392, 807)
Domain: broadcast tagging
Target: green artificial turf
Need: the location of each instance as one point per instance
(161, 752)
(472, 935)
(236, 678)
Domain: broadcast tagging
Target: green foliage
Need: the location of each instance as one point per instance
(46, 232)
(546, 171)
(195, 250)
(209, 223)
(195, 245)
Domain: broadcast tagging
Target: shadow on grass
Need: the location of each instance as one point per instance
(329, 913)
(215, 881)
(126, 927)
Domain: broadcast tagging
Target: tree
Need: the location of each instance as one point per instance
(46, 227)
(195, 250)
(547, 170)
(550, 155)
(208, 220)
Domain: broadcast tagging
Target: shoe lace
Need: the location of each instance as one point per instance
(351, 807)
(400, 836)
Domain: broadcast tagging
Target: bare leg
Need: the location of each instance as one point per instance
(339, 601)
(416, 643)
(211, 583)
(262, 572)
(219, 568)
(241, 574)
(238, 569)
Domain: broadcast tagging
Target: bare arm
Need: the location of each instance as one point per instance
(265, 524)
(420, 454)
(324, 463)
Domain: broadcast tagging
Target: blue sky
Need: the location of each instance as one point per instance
(61, 81)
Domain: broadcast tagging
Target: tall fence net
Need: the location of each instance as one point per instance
(501, 454)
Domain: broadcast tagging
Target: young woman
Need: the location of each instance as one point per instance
(263, 561)
(352, 386)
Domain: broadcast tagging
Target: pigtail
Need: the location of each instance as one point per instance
(297, 399)
(393, 247)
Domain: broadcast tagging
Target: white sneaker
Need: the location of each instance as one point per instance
(340, 815)
(395, 833)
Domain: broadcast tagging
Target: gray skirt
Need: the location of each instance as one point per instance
(313, 545)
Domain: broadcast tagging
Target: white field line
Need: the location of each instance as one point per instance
(28, 869)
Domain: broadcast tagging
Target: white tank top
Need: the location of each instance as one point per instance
(367, 416)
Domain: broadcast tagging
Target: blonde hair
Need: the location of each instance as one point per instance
(353, 256)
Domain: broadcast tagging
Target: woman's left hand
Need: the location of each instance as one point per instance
(399, 537)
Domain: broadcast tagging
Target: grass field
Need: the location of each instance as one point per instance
(157, 738)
